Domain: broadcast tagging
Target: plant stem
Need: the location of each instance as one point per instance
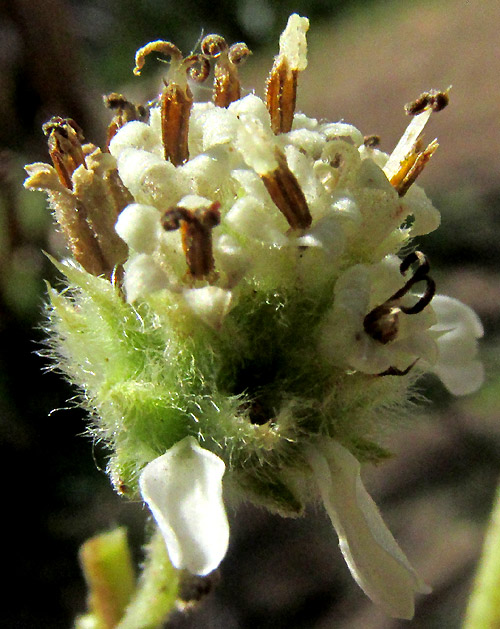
(156, 592)
(483, 611)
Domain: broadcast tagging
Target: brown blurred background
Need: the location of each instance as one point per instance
(366, 60)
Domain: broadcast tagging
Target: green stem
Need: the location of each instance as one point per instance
(157, 590)
(483, 611)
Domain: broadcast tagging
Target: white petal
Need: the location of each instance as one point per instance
(210, 303)
(301, 121)
(312, 142)
(370, 175)
(251, 218)
(251, 184)
(194, 202)
(452, 313)
(139, 226)
(327, 234)
(230, 259)
(352, 291)
(426, 217)
(349, 213)
(257, 147)
(340, 130)
(460, 327)
(419, 344)
(207, 174)
(251, 106)
(137, 135)
(219, 127)
(461, 379)
(373, 556)
(142, 277)
(151, 179)
(183, 489)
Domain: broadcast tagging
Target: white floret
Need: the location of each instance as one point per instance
(136, 135)
(151, 179)
(139, 226)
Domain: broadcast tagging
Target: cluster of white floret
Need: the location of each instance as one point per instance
(356, 230)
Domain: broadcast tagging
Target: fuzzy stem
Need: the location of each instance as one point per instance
(107, 566)
(483, 611)
(157, 590)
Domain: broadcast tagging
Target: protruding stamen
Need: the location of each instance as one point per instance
(420, 274)
(165, 48)
(65, 147)
(286, 193)
(433, 99)
(86, 201)
(410, 157)
(125, 112)
(381, 323)
(239, 53)
(214, 45)
(226, 78)
(176, 99)
(176, 103)
(197, 67)
(414, 167)
(281, 94)
(281, 89)
(196, 233)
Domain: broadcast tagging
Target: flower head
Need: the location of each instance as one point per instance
(239, 311)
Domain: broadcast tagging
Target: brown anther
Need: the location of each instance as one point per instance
(125, 112)
(176, 103)
(65, 147)
(381, 323)
(287, 195)
(196, 233)
(415, 165)
(226, 79)
(176, 100)
(86, 201)
(281, 95)
(371, 141)
(433, 99)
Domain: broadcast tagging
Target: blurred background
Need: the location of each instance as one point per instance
(366, 60)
